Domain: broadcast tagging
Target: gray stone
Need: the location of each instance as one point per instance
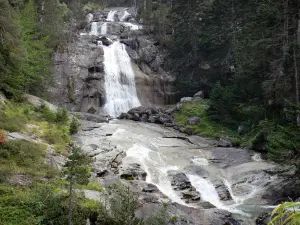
(144, 118)
(179, 180)
(132, 171)
(136, 117)
(2, 98)
(199, 94)
(186, 99)
(226, 143)
(222, 190)
(195, 120)
(138, 110)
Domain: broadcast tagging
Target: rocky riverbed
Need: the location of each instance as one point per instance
(203, 184)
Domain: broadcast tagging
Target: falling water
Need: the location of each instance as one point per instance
(111, 16)
(119, 80)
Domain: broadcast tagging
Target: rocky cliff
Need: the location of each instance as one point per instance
(79, 75)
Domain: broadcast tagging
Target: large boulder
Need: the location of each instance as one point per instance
(132, 171)
(105, 41)
(198, 96)
(179, 180)
(222, 190)
(137, 110)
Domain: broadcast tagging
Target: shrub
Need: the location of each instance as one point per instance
(62, 116)
(74, 126)
(2, 138)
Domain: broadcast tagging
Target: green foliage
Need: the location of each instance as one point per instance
(74, 126)
(77, 169)
(120, 209)
(286, 213)
(207, 126)
(42, 204)
(21, 156)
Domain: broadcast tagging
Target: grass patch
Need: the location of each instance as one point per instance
(207, 126)
(93, 185)
(24, 157)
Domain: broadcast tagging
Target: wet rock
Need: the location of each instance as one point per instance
(137, 110)
(105, 41)
(153, 119)
(191, 196)
(207, 205)
(144, 118)
(179, 180)
(195, 120)
(186, 99)
(123, 116)
(117, 160)
(263, 219)
(199, 170)
(222, 190)
(150, 188)
(132, 171)
(136, 117)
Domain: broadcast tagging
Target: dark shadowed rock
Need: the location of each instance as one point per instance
(199, 94)
(188, 131)
(207, 205)
(137, 110)
(136, 117)
(222, 190)
(179, 180)
(144, 118)
(132, 171)
(123, 116)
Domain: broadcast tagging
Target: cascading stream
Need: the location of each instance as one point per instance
(119, 83)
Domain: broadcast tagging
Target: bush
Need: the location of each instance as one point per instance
(62, 116)
(121, 207)
(74, 126)
(2, 138)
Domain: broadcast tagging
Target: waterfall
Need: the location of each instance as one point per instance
(94, 29)
(111, 16)
(119, 80)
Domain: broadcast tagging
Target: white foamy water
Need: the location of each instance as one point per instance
(119, 80)
(199, 161)
(104, 28)
(209, 193)
(156, 169)
(257, 157)
(94, 29)
(111, 16)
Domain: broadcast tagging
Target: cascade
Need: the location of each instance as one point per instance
(119, 81)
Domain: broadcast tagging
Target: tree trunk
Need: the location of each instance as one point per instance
(70, 201)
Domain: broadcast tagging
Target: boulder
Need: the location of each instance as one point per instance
(163, 119)
(179, 180)
(263, 219)
(222, 190)
(199, 94)
(136, 117)
(153, 119)
(225, 143)
(195, 120)
(132, 171)
(144, 118)
(93, 118)
(186, 99)
(137, 110)
(207, 205)
(105, 41)
(123, 116)
(191, 196)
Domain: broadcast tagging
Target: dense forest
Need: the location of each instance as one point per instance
(244, 56)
